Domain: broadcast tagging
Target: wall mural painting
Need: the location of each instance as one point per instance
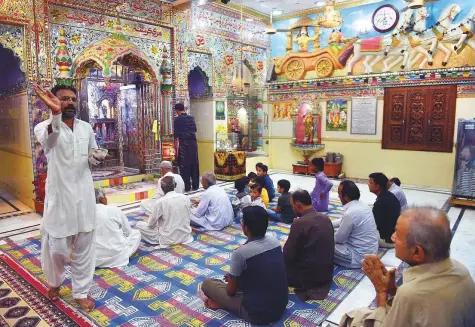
(337, 115)
(282, 110)
(375, 38)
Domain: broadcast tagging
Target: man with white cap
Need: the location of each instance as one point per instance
(169, 223)
(166, 168)
(116, 241)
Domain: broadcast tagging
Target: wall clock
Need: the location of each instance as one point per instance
(385, 18)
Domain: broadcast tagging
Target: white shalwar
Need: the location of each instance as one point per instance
(148, 205)
(116, 241)
(215, 211)
(169, 223)
(69, 217)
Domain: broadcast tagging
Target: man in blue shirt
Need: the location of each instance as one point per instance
(357, 234)
(256, 287)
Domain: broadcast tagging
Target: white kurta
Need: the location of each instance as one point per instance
(69, 215)
(169, 223)
(116, 241)
(70, 203)
(215, 211)
(148, 205)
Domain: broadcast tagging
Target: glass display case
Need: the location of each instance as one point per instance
(231, 141)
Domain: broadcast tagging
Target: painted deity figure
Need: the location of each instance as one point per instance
(335, 115)
(302, 39)
(308, 127)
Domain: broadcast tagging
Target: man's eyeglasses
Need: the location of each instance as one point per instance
(67, 99)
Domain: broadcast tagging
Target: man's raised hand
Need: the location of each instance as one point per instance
(49, 99)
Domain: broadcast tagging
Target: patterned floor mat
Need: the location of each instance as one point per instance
(23, 302)
(162, 287)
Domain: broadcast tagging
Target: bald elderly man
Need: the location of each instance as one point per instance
(437, 290)
(166, 169)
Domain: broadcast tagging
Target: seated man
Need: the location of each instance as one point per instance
(386, 209)
(116, 241)
(357, 234)
(256, 288)
(215, 211)
(394, 186)
(308, 251)
(437, 290)
(166, 169)
(169, 223)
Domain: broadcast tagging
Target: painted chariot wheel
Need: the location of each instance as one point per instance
(295, 69)
(324, 67)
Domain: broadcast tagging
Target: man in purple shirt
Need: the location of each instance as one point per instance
(321, 192)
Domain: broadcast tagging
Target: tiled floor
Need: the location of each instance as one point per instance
(462, 245)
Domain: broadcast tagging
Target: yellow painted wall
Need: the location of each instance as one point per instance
(16, 167)
(206, 155)
(363, 153)
(16, 175)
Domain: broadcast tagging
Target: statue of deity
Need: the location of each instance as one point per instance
(303, 39)
(308, 127)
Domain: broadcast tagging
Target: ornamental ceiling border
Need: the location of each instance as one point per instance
(114, 13)
(461, 75)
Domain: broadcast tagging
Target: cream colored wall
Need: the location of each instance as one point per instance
(16, 167)
(363, 153)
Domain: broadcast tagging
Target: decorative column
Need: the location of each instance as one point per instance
(294, 115)
(260, 126)
(63, 61)
(168, 148)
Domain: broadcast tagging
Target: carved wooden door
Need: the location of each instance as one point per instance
(441, 118)
(419, 118)
(394, 118)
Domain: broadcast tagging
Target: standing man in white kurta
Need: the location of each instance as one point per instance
(166, 169)
(69, 217)
(215, 211)
(116, 241)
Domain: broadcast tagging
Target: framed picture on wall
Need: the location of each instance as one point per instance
(364, 115)
(282, 110)
(220, 110)
(337, 115)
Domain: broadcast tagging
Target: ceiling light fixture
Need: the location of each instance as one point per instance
(276, 12)
(249, 20)
(320, 3)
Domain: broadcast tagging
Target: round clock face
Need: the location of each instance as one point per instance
(385, 18)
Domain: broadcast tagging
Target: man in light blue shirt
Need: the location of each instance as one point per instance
(357, 234)
(394, 186)
(215, 211)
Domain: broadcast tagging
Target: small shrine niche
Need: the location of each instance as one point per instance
(306, 118)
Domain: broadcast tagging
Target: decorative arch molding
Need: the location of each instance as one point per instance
(208, 88)
(110, 50)
(202, 60)
(11, 38)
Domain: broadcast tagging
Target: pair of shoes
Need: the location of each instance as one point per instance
(196, 189)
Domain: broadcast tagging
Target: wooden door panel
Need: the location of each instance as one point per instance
(419, 118)
(394, 119)
(441, 118)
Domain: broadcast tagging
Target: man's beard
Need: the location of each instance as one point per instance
(69, 112)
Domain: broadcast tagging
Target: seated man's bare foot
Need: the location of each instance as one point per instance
(53, 293)
(210, 304)
(86, 304)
